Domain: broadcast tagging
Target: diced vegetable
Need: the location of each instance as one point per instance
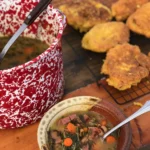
(71, 128)
(85, 129)
(68, 142)
(104, 123)
(104, 128)
(110, 139)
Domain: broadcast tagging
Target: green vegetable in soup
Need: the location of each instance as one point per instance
(23, 50)
(81, 131)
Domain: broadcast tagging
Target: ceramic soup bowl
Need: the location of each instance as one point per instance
(67, 109)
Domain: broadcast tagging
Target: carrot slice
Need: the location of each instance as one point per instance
(103, 123)
(110, 139)
(68, 142)
(71, 128)
(28, 50)
(85, 129)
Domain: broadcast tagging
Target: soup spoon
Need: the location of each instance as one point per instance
(39, 8)
(145, 108)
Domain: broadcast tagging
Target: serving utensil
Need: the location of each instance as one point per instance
(41, 6)
(145, 108)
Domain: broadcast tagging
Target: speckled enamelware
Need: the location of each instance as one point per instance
(84, 103)
(29, 90)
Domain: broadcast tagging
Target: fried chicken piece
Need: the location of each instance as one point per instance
(139, 21)
(104, 36)
(84, 14)
(122, 9)
(125, 65)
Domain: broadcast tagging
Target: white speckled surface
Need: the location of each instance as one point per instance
(29, 90)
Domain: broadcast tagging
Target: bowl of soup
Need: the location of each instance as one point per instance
(31, 73)
(80, 123)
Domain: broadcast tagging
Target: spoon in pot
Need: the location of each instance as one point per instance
(145, 108)
(39, 8)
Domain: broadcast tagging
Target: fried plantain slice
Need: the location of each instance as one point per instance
(84, 14)
(139, 21)
(125, 65)
(104, 36)
(122, 9)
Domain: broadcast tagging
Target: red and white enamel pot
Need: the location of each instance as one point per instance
(27, 91)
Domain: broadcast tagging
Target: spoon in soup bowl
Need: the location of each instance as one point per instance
(145, 108)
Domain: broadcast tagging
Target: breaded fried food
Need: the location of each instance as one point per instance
(84, 14)
(104, 36)
(139, 21)
(107, 3)
(122, 9)
(126, 66)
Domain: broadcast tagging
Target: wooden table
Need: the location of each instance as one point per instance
(26, 138)
(81, 70)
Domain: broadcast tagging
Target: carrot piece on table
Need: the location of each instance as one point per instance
(68, 142)
(103, 123)
(110, 139)
(71, 128)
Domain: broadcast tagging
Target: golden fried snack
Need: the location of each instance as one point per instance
(84, 14)
(104, 36)
(122, 9)
(107, 3)
(139, 21)
(126, 66)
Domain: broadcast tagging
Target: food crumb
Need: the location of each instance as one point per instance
(138, 6)
(138, 104)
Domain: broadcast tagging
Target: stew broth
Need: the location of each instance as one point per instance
(82, 131)
(23, 50)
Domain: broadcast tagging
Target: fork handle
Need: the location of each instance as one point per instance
(141, 111)
(37, 11)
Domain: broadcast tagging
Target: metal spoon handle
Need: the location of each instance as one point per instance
(42, 5)
(145, 108)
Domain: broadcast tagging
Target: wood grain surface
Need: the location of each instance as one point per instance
(26, 138)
